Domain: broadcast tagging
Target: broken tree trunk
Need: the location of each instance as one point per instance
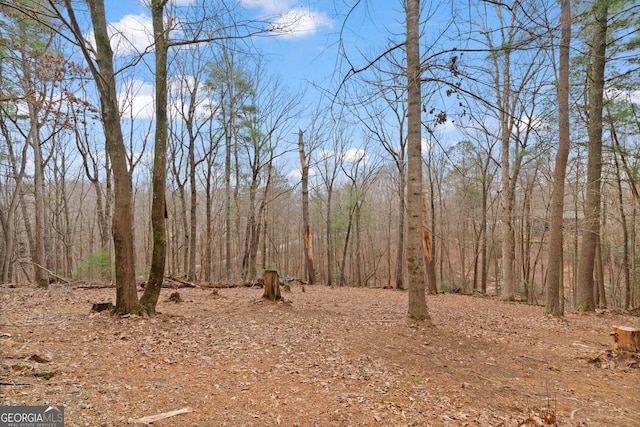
(626, 338)
(308, 245)
(271, 285)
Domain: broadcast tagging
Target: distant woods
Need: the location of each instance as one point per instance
(249, 176)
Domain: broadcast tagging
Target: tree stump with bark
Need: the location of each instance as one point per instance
(626, 338)
(271, 285)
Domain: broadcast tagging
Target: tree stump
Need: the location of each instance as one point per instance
(271, 285)
(626, 338)
(102, 306)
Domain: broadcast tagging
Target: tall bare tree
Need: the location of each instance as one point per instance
(554, 296)
(591, 223)
(328, 164)
(104, 76)
(308, 242)
(415, 263)
(395, 144)
(149, 298)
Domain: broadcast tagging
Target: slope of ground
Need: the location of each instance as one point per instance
(324, 357)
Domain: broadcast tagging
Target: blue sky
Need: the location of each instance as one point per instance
(308, 57)
(306, 53)
(307, 50)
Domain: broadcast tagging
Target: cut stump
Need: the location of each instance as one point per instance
(102, 306)
(271, 286)
(626, 338)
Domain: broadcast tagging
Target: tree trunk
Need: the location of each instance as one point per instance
(506, 195)
(343, 264)
(40, 257)
(261, 226)
(623, 220)
(633, 267)
(329, 235)
(33, 138)
(399, 273)
(250, 229)
(208, 251)
(193, 187)
(305, 211)
(9, 212)
(426, 247)
(358, 249)
(227, 212)
(149, 298)
(122, 220)
(181, 218)
(193, 222)
(600, 297)
(415, 262)
(432, 280)
(554, 298)
(591, 223)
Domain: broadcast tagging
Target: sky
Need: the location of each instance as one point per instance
(306, 50)
(304, 56)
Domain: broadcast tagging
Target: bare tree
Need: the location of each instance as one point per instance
(395, 144)
(267, 119)
(591, 223)
(103, 73)
(304, 167)
(328, 164)
(554, 297)
(417, 301)
(11, 187)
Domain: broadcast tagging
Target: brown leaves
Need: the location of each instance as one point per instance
(330, 357)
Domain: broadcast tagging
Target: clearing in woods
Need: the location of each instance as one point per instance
(324, 357)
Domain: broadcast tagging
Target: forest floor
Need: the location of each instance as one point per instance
(323, 357)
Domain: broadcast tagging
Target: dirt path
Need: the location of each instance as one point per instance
(327, 357)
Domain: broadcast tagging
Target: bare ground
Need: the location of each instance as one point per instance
(325, 357)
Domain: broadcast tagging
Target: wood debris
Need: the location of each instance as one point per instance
(150, 419)
(328, 357)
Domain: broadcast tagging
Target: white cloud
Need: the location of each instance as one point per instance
(354, 155)
(269, 6)
(425, 145)
(300, 23)
(533, 123)
(180, 86)
(145, 3)
(290, 22)
(182, 2)
(137, 100)
(132, 34)
(623, 95)
(295, 175)
(448, 127)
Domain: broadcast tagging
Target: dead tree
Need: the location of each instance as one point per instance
(271, 285)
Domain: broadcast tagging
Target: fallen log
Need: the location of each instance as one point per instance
(225, 285)
(184, 283)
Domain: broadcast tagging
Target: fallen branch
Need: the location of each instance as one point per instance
(110, 285)
(51, 273)
(150, 419)
(223, 285)
(183, 282)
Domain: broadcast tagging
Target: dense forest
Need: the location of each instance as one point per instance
(188, 157)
